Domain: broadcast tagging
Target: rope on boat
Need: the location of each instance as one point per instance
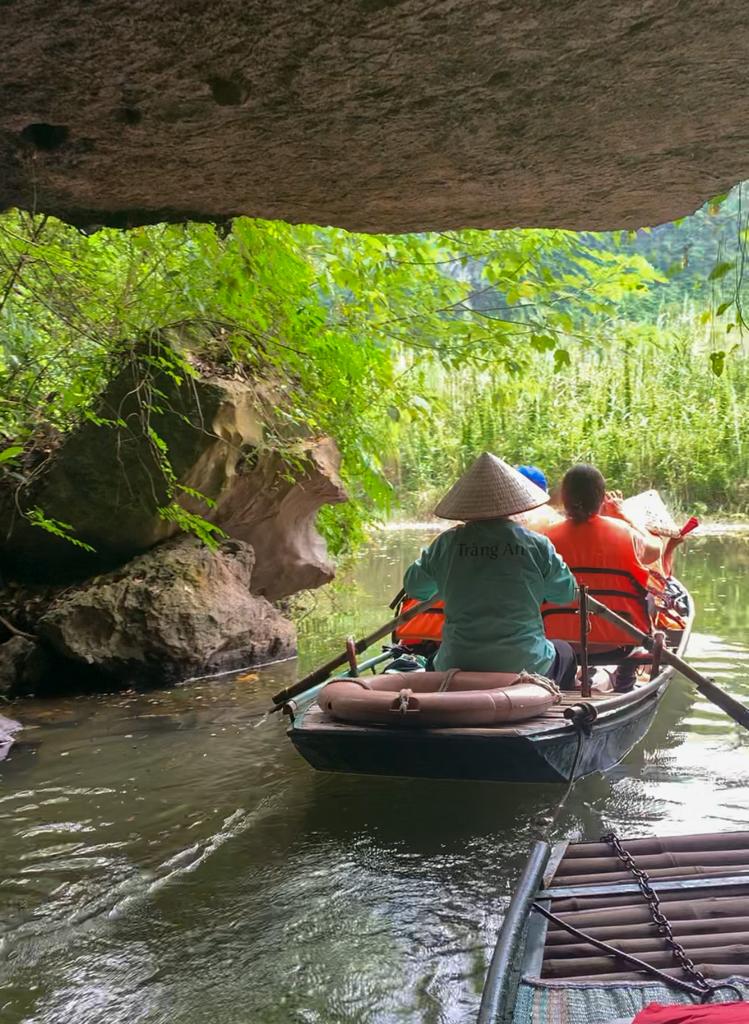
(538, 680)
(582, 734)
(446, 682)
(404, 698)
(580, 740)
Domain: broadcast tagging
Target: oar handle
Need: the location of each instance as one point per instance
(617, 620)
(734, 708)
(322, 673)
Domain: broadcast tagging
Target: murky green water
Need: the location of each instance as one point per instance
(168, 857)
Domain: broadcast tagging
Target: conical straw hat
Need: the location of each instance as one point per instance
(490, 488)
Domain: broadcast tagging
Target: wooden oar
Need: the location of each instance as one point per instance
(735, 709)
(322, 673)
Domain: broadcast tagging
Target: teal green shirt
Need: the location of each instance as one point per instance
(493, 575)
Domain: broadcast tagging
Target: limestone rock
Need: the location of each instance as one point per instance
(277, 516)
(378, 115)
(105, 480)
(14, 654)
(177, 611)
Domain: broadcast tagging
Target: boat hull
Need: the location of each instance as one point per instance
(477, 755)
(549, 748)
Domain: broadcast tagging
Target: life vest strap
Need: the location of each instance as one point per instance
(602, 571)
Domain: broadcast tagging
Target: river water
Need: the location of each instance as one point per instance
(168, 857)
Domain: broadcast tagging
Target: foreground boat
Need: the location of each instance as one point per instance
(553, 960)
(564, 742)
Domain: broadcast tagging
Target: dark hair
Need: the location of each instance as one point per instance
(583, 491)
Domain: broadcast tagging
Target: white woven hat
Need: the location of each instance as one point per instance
(490, 488)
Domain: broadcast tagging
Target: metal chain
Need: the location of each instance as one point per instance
(659, 918)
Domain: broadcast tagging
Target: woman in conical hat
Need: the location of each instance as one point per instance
(494, 575)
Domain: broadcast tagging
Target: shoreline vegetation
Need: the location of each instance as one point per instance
(413, 352)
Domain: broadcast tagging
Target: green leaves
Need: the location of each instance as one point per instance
(197, 495)
(349, 328)
(543, 342)
(207, 532)
(561, 360)
(720, 270)
(717, 362)
(8, 454)
(57, 528)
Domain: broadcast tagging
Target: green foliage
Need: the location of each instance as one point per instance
(208, 533)
(720, 270)
(56, 527)
(12, 452)
(414, 352)
(703, 258)
(718, 362)
(343, 323)
(656, 408)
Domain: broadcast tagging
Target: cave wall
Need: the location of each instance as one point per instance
(377, 115)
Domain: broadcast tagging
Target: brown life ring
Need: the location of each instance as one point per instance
(436, 700)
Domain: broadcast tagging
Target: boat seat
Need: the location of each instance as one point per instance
(616, 588)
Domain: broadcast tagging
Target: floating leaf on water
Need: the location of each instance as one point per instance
(247, 677)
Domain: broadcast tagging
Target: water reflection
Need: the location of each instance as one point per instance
(169, 857)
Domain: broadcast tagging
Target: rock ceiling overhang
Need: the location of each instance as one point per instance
(376, 115)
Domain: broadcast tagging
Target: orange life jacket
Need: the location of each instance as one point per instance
(602, 557)
(426, 625)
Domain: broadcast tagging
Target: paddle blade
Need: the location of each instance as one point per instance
(691, 524)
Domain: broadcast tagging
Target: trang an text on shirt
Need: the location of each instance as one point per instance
(490, 550)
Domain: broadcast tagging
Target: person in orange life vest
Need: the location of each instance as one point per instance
(590, 537)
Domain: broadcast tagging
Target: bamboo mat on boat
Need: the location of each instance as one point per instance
(711, 922)
(553, 1002)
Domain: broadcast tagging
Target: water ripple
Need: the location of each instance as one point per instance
(168, 857)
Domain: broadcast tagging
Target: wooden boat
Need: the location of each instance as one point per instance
(543, 972)
(565, 742)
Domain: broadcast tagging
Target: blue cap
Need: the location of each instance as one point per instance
(534, 474)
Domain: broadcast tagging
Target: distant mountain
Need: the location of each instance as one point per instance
(701, 255)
